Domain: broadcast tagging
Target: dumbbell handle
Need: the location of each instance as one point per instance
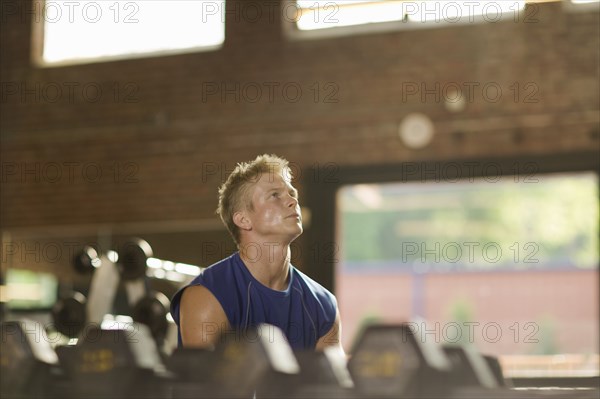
(103, 289)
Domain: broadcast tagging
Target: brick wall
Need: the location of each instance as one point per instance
(149, 160)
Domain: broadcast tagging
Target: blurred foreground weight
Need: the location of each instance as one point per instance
(494, 365)
(393, 361)
(117, 363)
(322, 375)
(469, 367)
(193, 371)
(258, 359)
(26, 360)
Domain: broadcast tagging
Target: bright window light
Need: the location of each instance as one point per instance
(83, 30)
(582, 5)
(330, 14)
(461, 11)
(314, 15)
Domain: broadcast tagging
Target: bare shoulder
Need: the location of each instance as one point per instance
(333, 337)
(197, 293)
(201, 317)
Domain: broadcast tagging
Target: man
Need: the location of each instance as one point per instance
(258, 284)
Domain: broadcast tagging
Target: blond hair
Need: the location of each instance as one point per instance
(233, 194)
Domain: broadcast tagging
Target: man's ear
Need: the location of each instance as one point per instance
(242, 221)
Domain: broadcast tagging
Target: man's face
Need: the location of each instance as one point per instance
(276, 210)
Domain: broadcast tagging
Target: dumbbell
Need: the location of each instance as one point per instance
(396, 361)
(152, 311)
(118, 363)
(70, 315)
(258, 359)
(86, 260)
(322, 375)
(193, 370)
(469, 367)
(132, 259)
(496, 368)
(393, 361)
(148, 307)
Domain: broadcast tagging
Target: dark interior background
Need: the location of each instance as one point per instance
(163, 144)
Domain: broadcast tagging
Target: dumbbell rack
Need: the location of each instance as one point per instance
(386, 364)
(130, 267)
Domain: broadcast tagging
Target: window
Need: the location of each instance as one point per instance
(510, 264)
(91, 31)
(582, 5)
(330, 17)
(29, 290)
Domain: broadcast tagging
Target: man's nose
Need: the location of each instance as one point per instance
(292, 201)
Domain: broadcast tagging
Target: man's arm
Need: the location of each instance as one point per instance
(201, 318)
(333, 336)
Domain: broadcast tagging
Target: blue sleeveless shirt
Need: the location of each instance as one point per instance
(305, 311)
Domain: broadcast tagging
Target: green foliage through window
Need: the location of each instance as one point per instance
(551, 222)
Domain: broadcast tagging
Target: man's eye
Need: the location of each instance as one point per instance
(276, 194)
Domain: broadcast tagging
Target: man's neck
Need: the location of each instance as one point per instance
(268, 262)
